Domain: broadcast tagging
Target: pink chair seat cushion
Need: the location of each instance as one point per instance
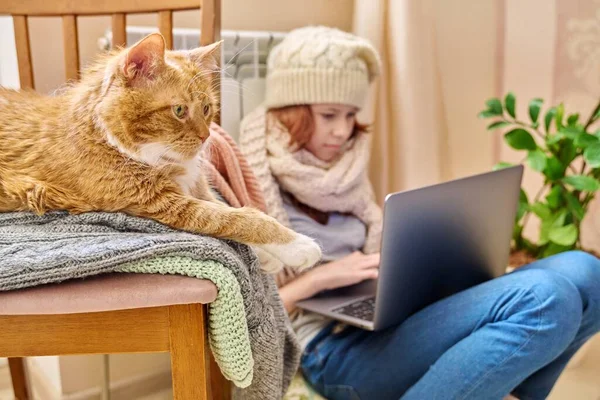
(116, 291)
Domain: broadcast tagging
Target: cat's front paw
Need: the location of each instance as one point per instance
(268, 262)
(300, 254)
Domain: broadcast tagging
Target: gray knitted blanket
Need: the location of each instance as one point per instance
(36, 250)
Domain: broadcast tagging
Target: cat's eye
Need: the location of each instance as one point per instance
(180, 111)
(206, 110)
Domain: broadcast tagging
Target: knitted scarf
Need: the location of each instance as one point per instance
(229, 172)
(341, 185)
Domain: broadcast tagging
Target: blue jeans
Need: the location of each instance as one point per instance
(513, 334)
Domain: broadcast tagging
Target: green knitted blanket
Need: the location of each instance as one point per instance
(227, 328)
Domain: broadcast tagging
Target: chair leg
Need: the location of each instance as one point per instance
(189, 352)
(19, 379)
(220, 387)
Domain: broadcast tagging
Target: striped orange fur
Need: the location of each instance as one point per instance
(128, 138)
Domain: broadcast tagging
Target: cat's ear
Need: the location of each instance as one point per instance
(145, 59)
(205, 57)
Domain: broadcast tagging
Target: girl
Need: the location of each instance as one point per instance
(514, 334)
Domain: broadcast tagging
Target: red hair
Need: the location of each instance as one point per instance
(300, 123)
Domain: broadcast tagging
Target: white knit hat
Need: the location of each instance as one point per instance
(317, 64)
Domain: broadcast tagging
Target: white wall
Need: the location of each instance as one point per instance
(50, 368)
(9, 71)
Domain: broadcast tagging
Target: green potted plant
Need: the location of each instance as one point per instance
(566, 152)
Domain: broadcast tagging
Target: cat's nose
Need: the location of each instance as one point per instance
(204, 134)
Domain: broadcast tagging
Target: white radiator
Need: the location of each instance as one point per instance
(243, 59)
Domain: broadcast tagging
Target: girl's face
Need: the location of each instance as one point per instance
(334, 124)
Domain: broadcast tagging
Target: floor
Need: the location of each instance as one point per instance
(581, 382)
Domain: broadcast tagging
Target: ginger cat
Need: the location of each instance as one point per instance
(128, 138)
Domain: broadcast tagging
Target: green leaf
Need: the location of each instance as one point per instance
(523, 205)
(555, 220)
(544, 230)
(592, 155)
(555, 170)
(549, 117)
(554, 249)
(501, 165)
(559, 218)
(487, 114)
(567, 152)
(574, 206)
(554, 198)
(541, 210)
(517, 231)
(520, 139)
(572, 120)
(535, 106)
(509, 102)
(497, 125)
(564, 235)
(582, 182)
(553, 139)
(523, 197)
(572, 132)
(585, 140)
(537, 160)
(495, 106)
(560, 111)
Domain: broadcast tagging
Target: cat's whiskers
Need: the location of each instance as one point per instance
(202, 93)
(234, 58)
(215, 85)
(221, 69)
(233, 86)
(159, 160)
(169, 161)
(200, 74)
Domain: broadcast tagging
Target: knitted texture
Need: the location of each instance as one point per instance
(338, 186)
(253, 145)
(227, 327)
(318, 64)
(56, 246)
(229, 173)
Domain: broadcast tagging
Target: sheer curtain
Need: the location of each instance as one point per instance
(439, 67)
(443, 59)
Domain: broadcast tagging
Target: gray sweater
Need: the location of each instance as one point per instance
(343, 235)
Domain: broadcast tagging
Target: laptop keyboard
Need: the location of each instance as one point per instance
(361, 309)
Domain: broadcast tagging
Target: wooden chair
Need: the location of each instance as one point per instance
(102, 315)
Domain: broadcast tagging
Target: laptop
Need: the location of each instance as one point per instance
(436, 241)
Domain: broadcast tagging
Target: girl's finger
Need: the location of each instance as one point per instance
(370, 274)
(369, 263)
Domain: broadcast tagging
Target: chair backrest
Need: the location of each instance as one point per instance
(69, 10)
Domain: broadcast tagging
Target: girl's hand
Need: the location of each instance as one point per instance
(352, 269)
(346, 271)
